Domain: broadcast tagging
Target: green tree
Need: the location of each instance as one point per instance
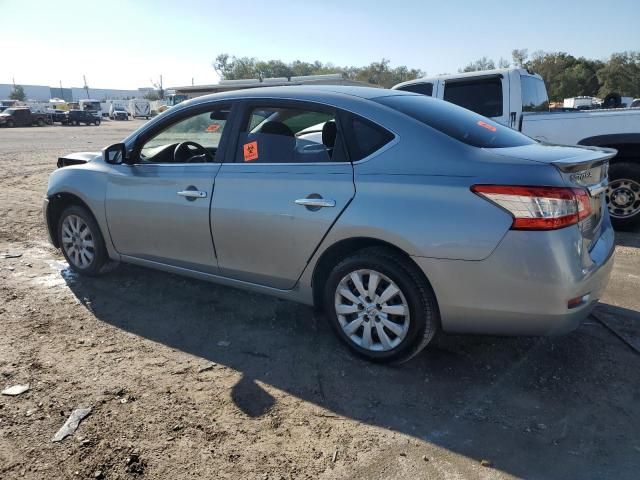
(620, 74)
(483, 63)
(17, 93)
(519, 56)
(379, 73)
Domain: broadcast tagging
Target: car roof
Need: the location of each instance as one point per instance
(474, 74)
(300, 92)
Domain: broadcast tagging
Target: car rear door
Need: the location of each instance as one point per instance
(274, 204)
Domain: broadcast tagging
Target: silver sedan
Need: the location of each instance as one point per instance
(398, 214)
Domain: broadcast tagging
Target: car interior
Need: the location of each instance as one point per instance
(282, 135)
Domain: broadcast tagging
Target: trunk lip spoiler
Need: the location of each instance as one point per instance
(578, 163)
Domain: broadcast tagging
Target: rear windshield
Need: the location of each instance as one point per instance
(457, 122)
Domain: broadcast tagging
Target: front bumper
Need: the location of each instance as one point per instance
(524, 286)
(47, 222)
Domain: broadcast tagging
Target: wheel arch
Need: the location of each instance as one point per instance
(340, 250)
(57, 203)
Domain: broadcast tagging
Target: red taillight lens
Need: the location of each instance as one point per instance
(538, 208)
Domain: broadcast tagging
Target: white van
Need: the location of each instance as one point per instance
(139, 108)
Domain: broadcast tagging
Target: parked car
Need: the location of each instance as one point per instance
(518, 98)
(59, 116)
(398, 214)
(88, 117)
(22, 117)
(118, 113)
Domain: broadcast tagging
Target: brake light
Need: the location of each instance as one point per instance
(538, 208)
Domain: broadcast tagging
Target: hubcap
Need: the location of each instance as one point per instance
(372, 310)
(77, 241)
(623, 198)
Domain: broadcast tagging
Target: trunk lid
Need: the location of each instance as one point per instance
(581, 167)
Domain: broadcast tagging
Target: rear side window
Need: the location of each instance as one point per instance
(422, 88)
(482, 96)
(534, 95)
(463, 125)
(363, 137)
(290, 134)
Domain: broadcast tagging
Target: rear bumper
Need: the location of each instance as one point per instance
(523, 288)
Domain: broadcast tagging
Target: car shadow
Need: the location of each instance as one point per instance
(536, 407)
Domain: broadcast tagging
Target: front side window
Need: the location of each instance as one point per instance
(483, 96)
(194, 139)
(422, 88)
(279, 134)
(534, 94)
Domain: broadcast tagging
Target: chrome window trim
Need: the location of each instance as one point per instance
(389, 144)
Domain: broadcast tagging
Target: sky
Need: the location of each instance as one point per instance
(129, 44)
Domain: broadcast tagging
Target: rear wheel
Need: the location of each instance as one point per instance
(623, 195)
(81, 242)
(40, 122)
(381, 306)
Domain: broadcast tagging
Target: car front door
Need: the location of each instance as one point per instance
(290, 181)
(158, 204)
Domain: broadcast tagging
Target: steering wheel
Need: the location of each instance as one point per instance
(186, 151)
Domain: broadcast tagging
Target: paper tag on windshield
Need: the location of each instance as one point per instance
(250, 151)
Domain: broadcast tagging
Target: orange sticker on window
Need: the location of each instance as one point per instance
(250, 151)
(214, 127)
(487, 126)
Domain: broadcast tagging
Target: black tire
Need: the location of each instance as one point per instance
(97, 123)
(625, 170)
(100, 257)
(40, 122)
(423, 308)
(10, 123)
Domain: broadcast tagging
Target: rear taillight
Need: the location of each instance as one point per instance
(538, 208)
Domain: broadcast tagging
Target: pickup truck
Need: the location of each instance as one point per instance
(23, 117)
(518, 98)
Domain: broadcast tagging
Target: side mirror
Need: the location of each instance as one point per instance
(114, 154)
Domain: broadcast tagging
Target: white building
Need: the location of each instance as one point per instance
(42, 93)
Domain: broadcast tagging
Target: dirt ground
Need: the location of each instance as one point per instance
(187, 379)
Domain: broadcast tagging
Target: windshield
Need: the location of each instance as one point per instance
(91, 105)
(457, 122)
(9, 111)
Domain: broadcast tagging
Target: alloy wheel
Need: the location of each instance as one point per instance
(78, 241)
(372, 310)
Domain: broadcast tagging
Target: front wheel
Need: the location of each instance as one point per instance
(623, 194)
(40, 122)
(81, 242)
(381, 306)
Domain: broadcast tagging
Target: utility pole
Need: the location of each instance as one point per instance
(86, 87)
(61, 94)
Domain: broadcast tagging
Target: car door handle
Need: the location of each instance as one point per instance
(315, 202)
(192, 194)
